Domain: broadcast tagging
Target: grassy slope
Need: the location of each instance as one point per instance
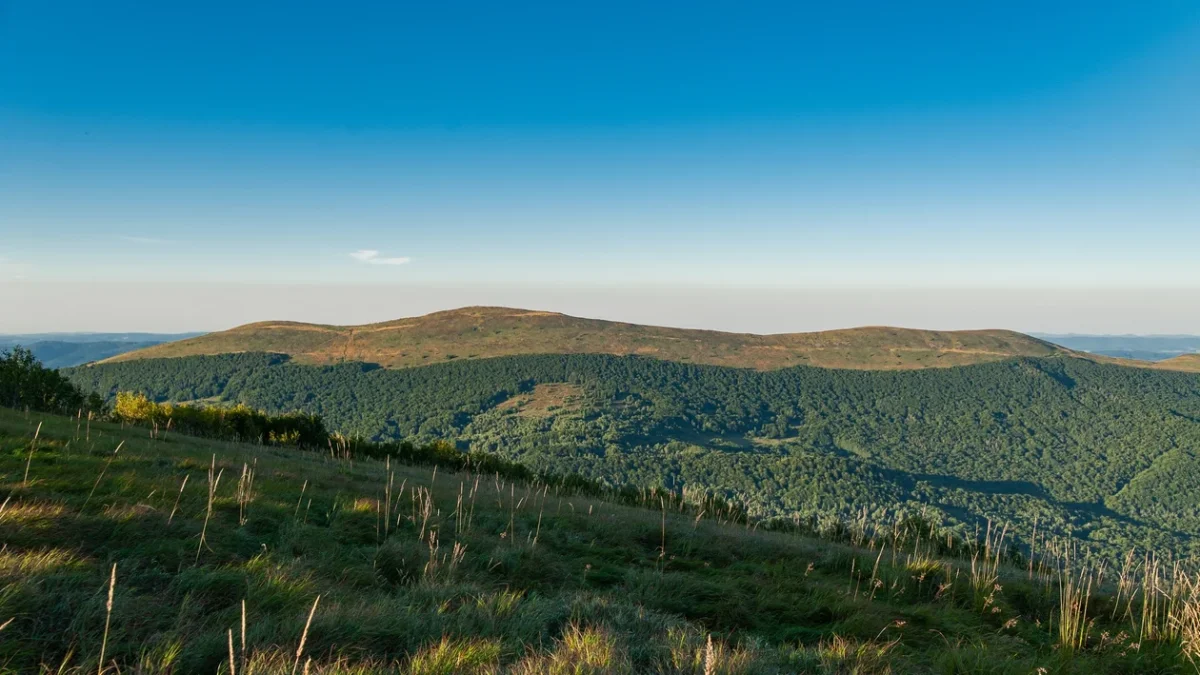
(604, 588)
(1188, 363)
(482, 332)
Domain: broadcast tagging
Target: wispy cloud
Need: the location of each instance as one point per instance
(371, 257)
(143, 240)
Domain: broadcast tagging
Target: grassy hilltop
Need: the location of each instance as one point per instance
(152, 552)
(1187, 363)
(485, 332)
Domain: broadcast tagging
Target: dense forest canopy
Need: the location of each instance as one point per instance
(1104, 453)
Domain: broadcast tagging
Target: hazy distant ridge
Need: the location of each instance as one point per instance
(63, 350)
(1141, 347)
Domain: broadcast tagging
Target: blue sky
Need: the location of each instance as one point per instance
(668, 147)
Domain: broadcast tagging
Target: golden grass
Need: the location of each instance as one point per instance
(1189, 363)
(582, 650)
(449, 657)
(14, 563)
(841, 655)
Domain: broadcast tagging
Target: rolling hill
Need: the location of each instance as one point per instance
(1189, 363)
(487, 332)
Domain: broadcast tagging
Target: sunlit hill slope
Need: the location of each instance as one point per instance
(484, 332)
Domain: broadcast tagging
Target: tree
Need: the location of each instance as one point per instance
(25, 383)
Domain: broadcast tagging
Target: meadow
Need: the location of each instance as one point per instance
(138, 549)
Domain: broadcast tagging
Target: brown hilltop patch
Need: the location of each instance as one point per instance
(1189, 363)
(486, 332)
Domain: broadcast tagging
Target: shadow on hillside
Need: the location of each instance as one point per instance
(1023, 488)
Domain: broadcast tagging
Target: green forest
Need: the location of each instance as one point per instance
(1055, 447)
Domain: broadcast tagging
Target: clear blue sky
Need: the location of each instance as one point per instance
(779, 146)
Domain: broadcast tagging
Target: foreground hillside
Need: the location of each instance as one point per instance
(484, 332)
(141, 551)
(1105, 454)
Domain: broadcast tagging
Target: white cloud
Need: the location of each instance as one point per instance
(372, 258)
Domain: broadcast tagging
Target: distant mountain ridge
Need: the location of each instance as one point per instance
(1139, 347)
(63, 350)
(59, 354)
(487, 332)
(84, 337)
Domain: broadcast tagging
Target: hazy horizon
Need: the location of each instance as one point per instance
(177, 308)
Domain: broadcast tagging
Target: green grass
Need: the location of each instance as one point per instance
(424, 571)
(484, 332)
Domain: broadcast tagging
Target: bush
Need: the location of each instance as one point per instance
(238, 423)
